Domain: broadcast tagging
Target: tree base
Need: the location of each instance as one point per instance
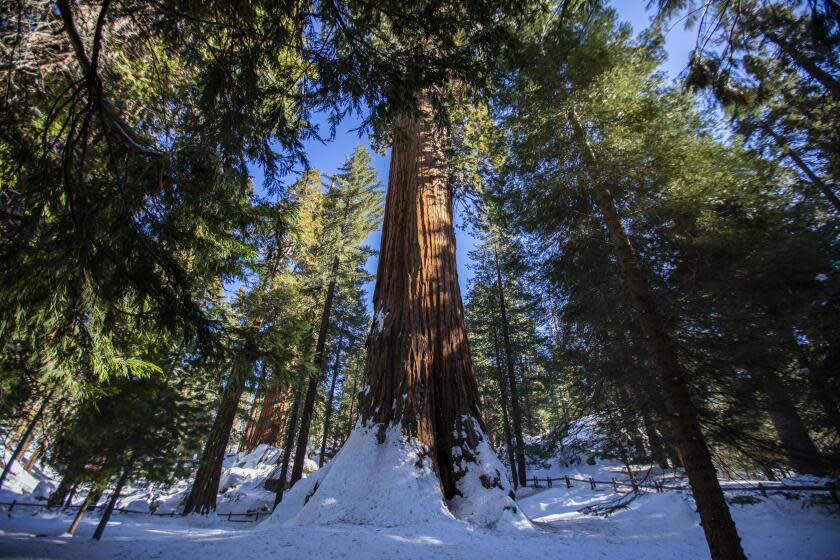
(392, 484)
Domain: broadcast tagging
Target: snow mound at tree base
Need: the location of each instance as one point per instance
(392, 484)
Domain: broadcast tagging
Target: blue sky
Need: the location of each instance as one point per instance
(329, 156)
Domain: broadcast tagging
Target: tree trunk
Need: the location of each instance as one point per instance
(829, 82)
(803, 166)
(272, 417)
(721, 535)
(418, 366)
(328, 405)
(514, 393)
(254, 411)
(91, 498)
(202, 497)
(30, 464)
(351, 418)
(288, 439)
(796, 441)
(504, 400)
(109, 509)
(314, 378)
(68, 481)
(27, 435)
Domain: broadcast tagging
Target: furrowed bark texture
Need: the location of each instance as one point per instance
(271, 419)
(721, 535)
(418, 368)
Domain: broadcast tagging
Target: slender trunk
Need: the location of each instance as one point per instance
(514, 392)
(504, 399)
(829, 82)
(796, 441)
(418, 366)
(202, 497)
(351, 418)
(91, 498)
(68, 481)
(290, 437)
(70, 495)
(27, 435)
(250, 427)
(109, 509)
(721, 535)
(314, 378)
(328, 405)
(30, 464)
(804, 167)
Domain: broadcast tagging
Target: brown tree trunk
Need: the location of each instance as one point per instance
(796, 441)
(109, 509)
(202, 497)
(90, 500)
(514, 392)
(815, 179)
(418, 366)
(30, 464)
(829, 82)
(254, 411)
(23, 443)
(272, 417)
(288, 439)
(504, 400)
(328, 405)
(314, 378)
(721, 535)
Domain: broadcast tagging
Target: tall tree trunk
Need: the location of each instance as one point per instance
(514, 392)
(829, 82)
(109, 509)
(92, 497)
(30, 464)
(504, 399)
(815, 179)
(314, 378)
(328, 404)
(27, 435)
(272, 417)
(796, 441)
(721, 535)
(351, 417)
(254, 410)
(289, 438)
(418, 366)
(202, 497)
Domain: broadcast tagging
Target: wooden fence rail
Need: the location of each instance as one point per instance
(225, 516)
(659, 487)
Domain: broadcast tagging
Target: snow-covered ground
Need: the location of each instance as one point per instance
(653, 526)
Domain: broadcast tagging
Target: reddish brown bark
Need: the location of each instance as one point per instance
(271, 419)
(418, 367)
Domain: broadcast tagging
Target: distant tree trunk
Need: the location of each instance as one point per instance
(70, 495)
(30, 464)
(68, 481)
(514, 392)
(504, 400)
(314, 378)
(418, 366)
(109, 509)
(328, 404)
(92, 497)
(272, 417)
(796, 441)
(815, 179)
(288, 439)
(721, 535)
(202, 497)
(351, 417)
(27, 435)
(253, 412)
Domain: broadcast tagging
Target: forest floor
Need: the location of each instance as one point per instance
(652, 526)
